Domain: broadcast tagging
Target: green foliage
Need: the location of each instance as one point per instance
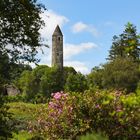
(51, 81)
(95, 78)
(126, 45)
(22, 136)
(115, 75)
(16, 98)
(67, 71)
(4, 69)
(6, 127)
(41, 81)
(120, 74)
(138, 88)
(92, 136)
(44, 80)
(59, 120)
(76, 83)
(23, 114)
(20, 23)
(70, 115)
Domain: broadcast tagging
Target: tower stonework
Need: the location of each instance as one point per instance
(57, 48)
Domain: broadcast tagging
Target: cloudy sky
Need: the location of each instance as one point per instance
(88, 27)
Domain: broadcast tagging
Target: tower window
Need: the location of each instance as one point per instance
(59, 38)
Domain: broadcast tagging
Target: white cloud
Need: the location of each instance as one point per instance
(72, 49)
(79, 66)
(51, 20)
(82, 27)
(79, 27)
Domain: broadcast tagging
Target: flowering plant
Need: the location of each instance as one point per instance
(68, 115)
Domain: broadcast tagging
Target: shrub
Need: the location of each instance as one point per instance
(67, 116)
(59, 120)
(92, 136)
(76, 83)
(6, 127)
(114, 75)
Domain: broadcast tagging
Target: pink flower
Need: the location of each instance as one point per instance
(97, 106)
(118, 110)
(57, 95)
(52, 105)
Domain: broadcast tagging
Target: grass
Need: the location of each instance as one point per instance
(24, 135)
(22, 114)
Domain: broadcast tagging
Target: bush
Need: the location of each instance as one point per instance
(42, 80)
(76, 83)
(67, 116)
(6, 127)
(16, 98)
(59, 120)
(92, 136)
(114, 75)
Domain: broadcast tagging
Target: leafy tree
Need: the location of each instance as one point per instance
(76, 83)
(20, 22)
(95, 77)
(17, 69)
(41, 80)
(29, 81)
(126, 44)
(66, 72)
(4, 68)
(51, 81)
(120, 74)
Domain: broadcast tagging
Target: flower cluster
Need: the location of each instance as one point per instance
(68, 115)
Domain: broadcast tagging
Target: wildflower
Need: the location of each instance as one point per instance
(57, 95)
(97, 106)
(51, 104)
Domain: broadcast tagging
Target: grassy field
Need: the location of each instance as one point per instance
(23, 113)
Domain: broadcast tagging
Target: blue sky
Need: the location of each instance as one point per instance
(88, 27)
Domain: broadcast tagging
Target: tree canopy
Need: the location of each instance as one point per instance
(20, 23)
(126, 44)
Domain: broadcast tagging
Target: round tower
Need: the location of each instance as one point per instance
(57, 48)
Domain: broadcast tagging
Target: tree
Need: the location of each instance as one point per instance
(76, 83)
(126, 44)
(51, 81)
(29, 81)
(41, 80)
(120, 74)
(95, 77)
(66, 72)
(4, 69)
(20, 23)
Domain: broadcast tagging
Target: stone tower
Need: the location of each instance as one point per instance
(57, 48)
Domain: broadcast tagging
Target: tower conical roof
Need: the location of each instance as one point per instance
(57, 31)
